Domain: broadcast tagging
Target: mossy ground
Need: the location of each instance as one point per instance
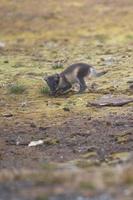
(45, 37)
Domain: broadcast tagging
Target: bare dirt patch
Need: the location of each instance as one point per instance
(77, 137)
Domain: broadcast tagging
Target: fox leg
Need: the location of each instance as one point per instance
(82, 84)
(64, 87)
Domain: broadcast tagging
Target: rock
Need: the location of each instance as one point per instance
(66, 109)
(108, 60)
(131, 87)
(6, 61)
(33, 125)
(110, 100)
(130, 81)
(8, 115)
(2, 45)
(23, 104)
(41, 128)
(35, 143)
(57, 103)
(91, 148)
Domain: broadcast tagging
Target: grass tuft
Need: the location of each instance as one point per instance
(87, 185)
(42, 198)
(130, 37)
(57, 66)
(44, 90)
(17, 89)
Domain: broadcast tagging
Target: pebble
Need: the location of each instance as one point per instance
(8, 115)
(66, 109)
(2, 45)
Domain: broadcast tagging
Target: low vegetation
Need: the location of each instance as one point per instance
(44, 90)
(17, 89)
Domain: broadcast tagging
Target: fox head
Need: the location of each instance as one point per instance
(52, 82)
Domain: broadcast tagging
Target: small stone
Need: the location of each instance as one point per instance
(8, 115)
(6, 61)
(130, 81)
(2, 45)
(35, 143)
(91, 148)
(61, 157)
(57, 103)
(108, 123)
(33, 125)
(108, 60)
(43, 128)
(66, 109)
(23, 104)
(102, 59)
(131, 87)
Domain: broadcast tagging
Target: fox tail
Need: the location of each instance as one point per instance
(94, 73)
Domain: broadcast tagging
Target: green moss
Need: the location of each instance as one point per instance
(128, 176)
(49, 166)
(42, 198)
(17, 89)
(85, 164)
(51, 141)
(47, 178)
(101, 37)
(120, 155)
(122, 139)
(87, 185)
(130, 37)
(90, 154)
